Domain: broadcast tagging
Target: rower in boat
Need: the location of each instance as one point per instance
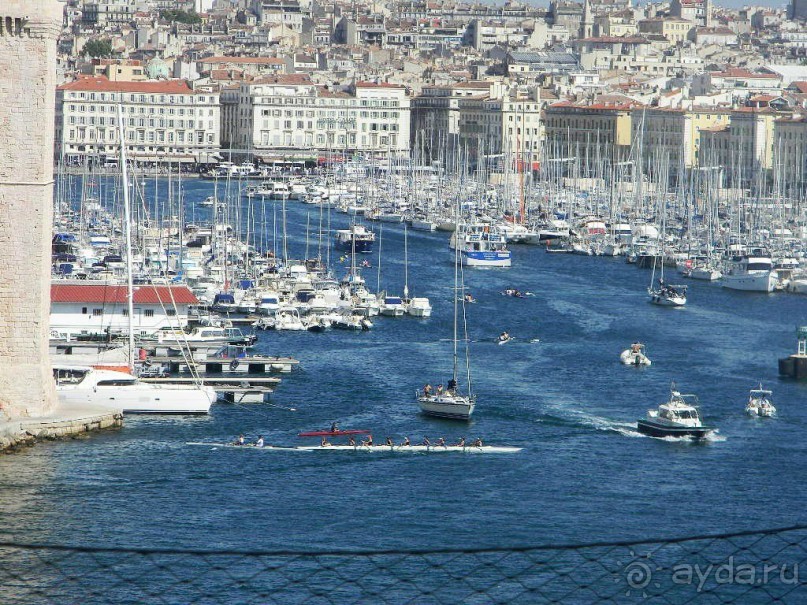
(477, 442)
(426, 442)
(240, 440)
(334, 427)
(368, 442)
(351, 441)
(259, 442)
(405, 442)
(504, 337)
(389, 442)
(461, 442)
(324, 442)
(469, 298)
(441, 442)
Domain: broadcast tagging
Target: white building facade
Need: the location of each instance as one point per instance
(290, 113)
(164, 120)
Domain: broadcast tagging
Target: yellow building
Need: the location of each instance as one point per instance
(744, 147)
(670, 138)
(595, 136)
(674, 29)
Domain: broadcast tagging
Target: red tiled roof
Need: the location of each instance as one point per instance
(143, 295)
(102, 84)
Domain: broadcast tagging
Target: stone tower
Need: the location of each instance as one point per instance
(28, 33)
(587, 22)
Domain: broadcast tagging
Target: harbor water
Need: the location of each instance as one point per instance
(557, 390)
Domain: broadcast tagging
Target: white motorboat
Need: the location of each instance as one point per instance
(122, 391)
(288, 318)
(635, 355)
(704, 272)
(392, 306)
(678, 417)
(481, 246)
(419, 307)
(422, 224)
(760, 403)
(750, 273)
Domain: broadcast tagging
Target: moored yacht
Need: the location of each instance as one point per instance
(122, 391)
(750, 273)
(678, 417)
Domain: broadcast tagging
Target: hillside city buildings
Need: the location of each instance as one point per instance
(693, 84)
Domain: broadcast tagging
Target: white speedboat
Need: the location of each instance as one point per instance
(288, 318)
(122, 391)
(760, 403)
(392, 306)
(704, 272)
(678, 417)
(635, 355)
(419, 307)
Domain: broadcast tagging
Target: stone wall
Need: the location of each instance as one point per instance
(28, 32)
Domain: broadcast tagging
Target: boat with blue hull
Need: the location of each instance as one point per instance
(481, 246)
(356, 238)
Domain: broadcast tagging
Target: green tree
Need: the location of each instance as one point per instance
(181, 16)
(98, 48)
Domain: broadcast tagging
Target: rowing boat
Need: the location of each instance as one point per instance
(335, 433)
(425, 449)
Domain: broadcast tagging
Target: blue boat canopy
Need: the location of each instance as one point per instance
(224, 298)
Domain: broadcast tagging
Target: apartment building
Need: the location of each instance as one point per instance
(289, 113)
(670, 138)
(592, 136)
(164, 120)
(479, 117)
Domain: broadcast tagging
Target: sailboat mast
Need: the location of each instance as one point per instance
(127, 229)
(457, 293)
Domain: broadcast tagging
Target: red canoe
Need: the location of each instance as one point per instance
(336, 433)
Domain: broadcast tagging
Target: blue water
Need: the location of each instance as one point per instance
(584, 475)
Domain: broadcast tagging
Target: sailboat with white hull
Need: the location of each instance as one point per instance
(451, 402)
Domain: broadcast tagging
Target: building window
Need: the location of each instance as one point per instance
(171, 312)
(148, 313)
(83, 310)
(97, 312)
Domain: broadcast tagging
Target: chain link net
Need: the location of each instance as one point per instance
(748, 567)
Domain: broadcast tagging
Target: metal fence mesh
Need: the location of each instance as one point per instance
(748, 567)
